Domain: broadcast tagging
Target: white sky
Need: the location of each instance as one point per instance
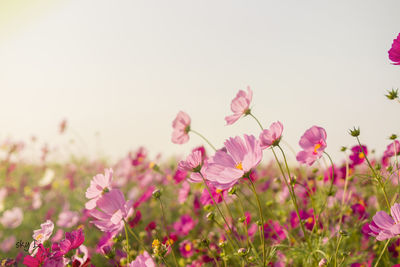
(125, 68)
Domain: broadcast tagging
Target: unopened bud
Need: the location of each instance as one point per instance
(157, 193)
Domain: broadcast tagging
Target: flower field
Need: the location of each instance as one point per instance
(220, 205)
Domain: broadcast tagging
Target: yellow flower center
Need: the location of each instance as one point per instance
(218, 191)
(156, 243)
(151, 165)
(397, 248)
(310, 220)
(316, 147)
(188, 247)
(239, 166)
(361, 155)
(39, 236)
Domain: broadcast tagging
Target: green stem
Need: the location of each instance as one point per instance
(216, 205)
(166, 230)
(127, 243)
(383, 251)
(258, 122)
(375, 174)
(337, 249)
(330, 187)
(292, 194)
(137, 238)
(261, 217)
(205, 139)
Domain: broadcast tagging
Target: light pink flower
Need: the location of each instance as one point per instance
(193, 163)
(225, 168)
(98, 185)
(181, 126)
(383, 226)
(8, 243)
(240, 105)
(392, 149)
(183, 192)
(12, 218)
(41, 235)
(143, 260)
(112, 210)
(271, 136)
(68, 218)
(313, 143)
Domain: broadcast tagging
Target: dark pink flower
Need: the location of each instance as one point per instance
(313, 143)
(394, 52)
(181, 126)
(273, 230)
(271, 136)
(226, 167)
(184, 225)
(40, 257)
(357, 157)
(392, 149)
(186, 248)
(72, 241)
(240, 106)
(205, 198)
(139, 157)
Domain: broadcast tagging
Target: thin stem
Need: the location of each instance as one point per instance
(261, 217)
(127, 242)
(258, 122)
(375, 174)
(330, 187)
(166, 230)
(337, 249)
(216, 205)
(205, 139)
(383, 251)
(292, 195)
(137, 238)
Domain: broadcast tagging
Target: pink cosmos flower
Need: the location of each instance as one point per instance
(394, 52)
(271, 136)
(112, 210)
(384, 226)
(193, 163)
(39, 259)
(186, 248)
(217, 194)
(391, 150)
(139, 157)
(12, 218)
(184, 225)
(358, 156)
(98, 186)
(8, 243)
(273, 230)
(313, 143)
(240, 105)
(181, 126)
(41, 235)
(68, 218)
(73, 240)
(225, 168)
(143, 260)
(183, 192)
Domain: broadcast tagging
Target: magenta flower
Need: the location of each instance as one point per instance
(72, 241)
(358, 156)
(217, 194)
(98, 186)
(271, 136)
(186, 248)
(225, 168)
(193, 163)
(184, 225)
(143, 260)
(181, 126)
(313, 143)
(394, 52)
(112, 211)
(273, 230)
(392, 149)
(37, 260)
(240, 106)
(384, 226)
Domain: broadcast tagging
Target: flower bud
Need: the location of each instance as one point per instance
(157, 193)
(354, 132)
(392, 94)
